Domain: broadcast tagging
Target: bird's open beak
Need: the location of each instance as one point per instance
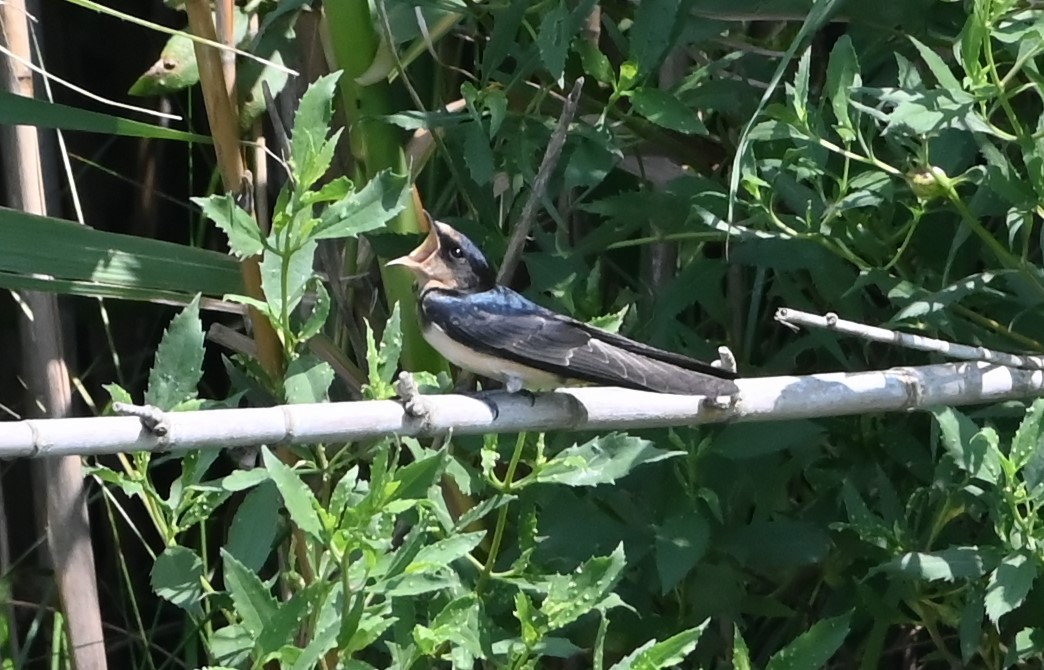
(417, 259)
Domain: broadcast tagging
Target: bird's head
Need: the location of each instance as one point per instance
(447, 259)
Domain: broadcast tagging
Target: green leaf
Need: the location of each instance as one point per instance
(320, 312)
(252, 533)
(310, 151)
(299, 500)
(179, 360)
(800, 89)
(948, 564)
(654, 655)
(457, 625)
(445, 551)
(594, 62)
(749, 440)
(681, 542)
(973, 451)
(282, 627)
(244, 236)
(939, 69)
(1009, 584)
(477, 154)
(665, 110)
(391, 346)
(811, 650)
(740, 652)
(1027, 447)
(45, 254)
(254, 604)
(1029, 644)
(650, 34)
(284, 281)
(176, 576)
(307, 380)
(779, 544)
(603, 460)
(553, 39)
(571, 596)
(413, 481)
(842, 76)
(383, 197)
(18, 110)
(970, 630)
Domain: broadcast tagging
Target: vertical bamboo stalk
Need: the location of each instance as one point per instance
(65, 506)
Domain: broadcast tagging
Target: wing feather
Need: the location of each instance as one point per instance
(503, 323)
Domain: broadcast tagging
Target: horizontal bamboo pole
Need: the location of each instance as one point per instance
(759, 399)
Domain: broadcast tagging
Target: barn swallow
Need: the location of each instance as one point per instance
(495, 332)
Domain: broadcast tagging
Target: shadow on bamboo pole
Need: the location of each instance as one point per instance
(64, 507)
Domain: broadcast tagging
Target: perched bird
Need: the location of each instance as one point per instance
(495, 332)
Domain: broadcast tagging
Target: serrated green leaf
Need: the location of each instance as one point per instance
(553, 39)
(1009, 584)
(445, 551)
(457, 625)
(284, 282)
(811, 650)
(800, 88)
(665, 110)
(391, 346)
(254, 604)
(1027, 447)
(244, 236)
(842, 76)
(176, 576)
(179, 360)
(973, 451)
(571, 596)
(655, 655)
(650, 35)
(299, 500)
(477, 154)
(310, 151)
(603, 460)
(496, 102)
(320, 312)
(369, 208)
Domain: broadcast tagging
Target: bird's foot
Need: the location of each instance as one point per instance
(726, 360)
(485, 397)
(413, 403)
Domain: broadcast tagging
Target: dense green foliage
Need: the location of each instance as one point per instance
(884, 161)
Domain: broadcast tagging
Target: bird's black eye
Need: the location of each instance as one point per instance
(456, 252)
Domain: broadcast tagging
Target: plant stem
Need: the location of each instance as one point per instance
(498, 532)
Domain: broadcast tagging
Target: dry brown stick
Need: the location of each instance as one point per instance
(547, 166)
(224, 127)
(64, 517)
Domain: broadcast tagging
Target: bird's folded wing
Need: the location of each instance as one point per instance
(545, 341)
